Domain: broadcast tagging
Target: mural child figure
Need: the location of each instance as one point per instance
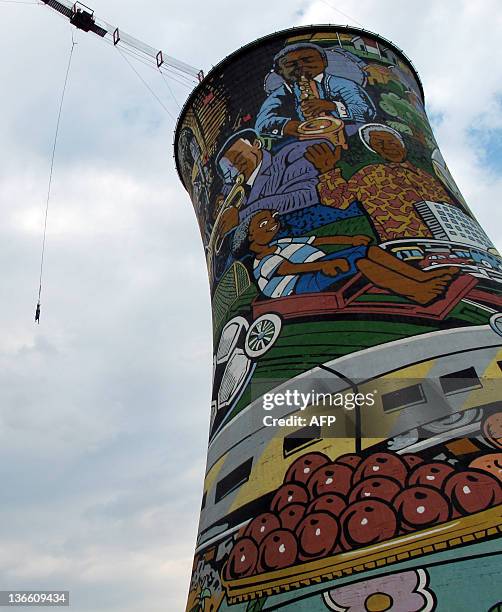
(296, 265)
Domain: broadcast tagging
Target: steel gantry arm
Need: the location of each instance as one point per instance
(83, 18)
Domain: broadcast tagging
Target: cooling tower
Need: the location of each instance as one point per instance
(355, 441)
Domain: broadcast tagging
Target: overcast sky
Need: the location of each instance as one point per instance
(104, 406)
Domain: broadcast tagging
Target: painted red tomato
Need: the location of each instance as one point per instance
(377, 487)
(289, 493)
(473, 491)
(242, 559)
(329, 502)
(351, 460)
(317, 535)
(301, 469)
(261, 526)
(382, 464)
(421, 506)
(366, 522)
(431, 474)
(330, 478)
(291, 515)
(279, 549)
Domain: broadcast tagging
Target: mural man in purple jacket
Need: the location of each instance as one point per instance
(284, 182)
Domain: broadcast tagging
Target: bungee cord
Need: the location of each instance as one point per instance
(51, 172)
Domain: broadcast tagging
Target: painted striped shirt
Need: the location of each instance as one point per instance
(294, 250)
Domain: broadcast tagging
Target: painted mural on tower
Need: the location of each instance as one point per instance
(339, 248)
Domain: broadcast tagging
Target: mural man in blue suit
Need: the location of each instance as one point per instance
(303, 66)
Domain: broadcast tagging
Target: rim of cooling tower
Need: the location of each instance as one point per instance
(297, 30)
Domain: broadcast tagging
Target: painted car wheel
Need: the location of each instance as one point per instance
(262, 334)
(403, 440)
(453, 421)
(495, 323)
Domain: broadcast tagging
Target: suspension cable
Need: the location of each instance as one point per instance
(164, 78)
(342, 13)
(146, 85)
(37, 312)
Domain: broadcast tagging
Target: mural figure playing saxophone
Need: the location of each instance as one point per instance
(308, 92)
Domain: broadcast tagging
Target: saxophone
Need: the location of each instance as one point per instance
(319, 126)
(234, 199)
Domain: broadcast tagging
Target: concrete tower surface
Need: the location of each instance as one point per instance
(355, 440)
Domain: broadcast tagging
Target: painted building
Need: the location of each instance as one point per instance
(355, 438)
(450, 223)
(364, 43)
